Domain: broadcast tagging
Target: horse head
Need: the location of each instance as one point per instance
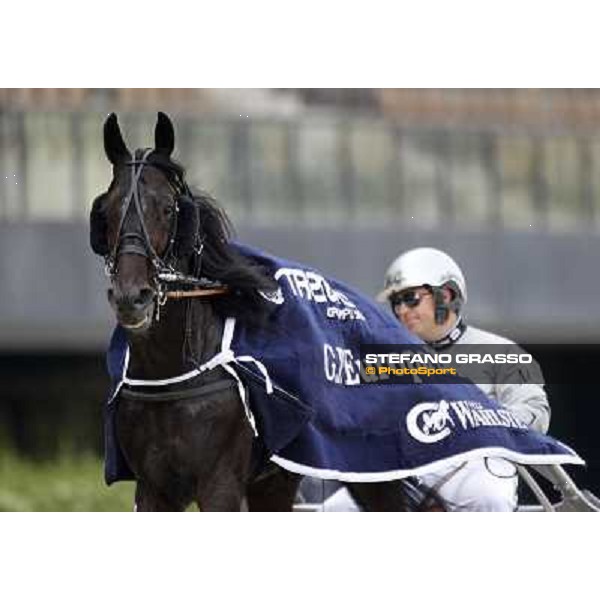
(145, 225)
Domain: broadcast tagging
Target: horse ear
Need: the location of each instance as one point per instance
(114, 146)
(164, 135)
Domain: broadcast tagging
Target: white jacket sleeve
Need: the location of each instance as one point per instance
(527, 400)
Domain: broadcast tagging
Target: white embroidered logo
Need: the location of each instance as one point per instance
(276, 297)
(429, 422)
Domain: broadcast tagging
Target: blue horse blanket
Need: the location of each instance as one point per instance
(323, 418)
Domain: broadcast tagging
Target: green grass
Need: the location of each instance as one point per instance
(64, 484)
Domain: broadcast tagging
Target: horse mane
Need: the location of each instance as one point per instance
(220, 261)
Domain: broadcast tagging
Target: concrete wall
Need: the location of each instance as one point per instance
(532, 287)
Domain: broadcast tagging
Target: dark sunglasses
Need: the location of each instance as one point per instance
(411, 298)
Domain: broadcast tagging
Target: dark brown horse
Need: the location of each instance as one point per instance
(174, 280)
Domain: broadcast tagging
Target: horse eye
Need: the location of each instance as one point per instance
(169, 210)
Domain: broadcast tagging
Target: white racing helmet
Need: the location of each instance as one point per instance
(426, 267)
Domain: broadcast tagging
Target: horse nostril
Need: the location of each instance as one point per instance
(144, 298)
(131, 300)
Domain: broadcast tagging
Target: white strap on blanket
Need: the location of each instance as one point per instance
(223, 359)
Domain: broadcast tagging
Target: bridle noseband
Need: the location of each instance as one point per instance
(165, 272)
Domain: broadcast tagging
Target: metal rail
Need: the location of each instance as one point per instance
(327, 168)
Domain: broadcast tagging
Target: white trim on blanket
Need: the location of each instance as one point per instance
(224, 359)
(496, 452)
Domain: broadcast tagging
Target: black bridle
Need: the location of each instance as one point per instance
(137, 241)
(134, 242)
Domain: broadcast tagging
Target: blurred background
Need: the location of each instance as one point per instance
(506, 181)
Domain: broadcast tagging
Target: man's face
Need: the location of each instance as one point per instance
(420, 318)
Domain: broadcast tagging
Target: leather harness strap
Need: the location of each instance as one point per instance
(186, 394)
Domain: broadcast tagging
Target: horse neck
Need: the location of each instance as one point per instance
(163, 351)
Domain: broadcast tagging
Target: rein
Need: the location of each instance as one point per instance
(180, 294)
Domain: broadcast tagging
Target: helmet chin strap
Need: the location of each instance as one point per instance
(451, 337)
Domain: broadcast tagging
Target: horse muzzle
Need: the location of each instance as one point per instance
(134, 309)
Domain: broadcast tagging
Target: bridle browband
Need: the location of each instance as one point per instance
(165, 274)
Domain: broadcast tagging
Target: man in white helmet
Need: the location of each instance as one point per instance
(426, 290)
